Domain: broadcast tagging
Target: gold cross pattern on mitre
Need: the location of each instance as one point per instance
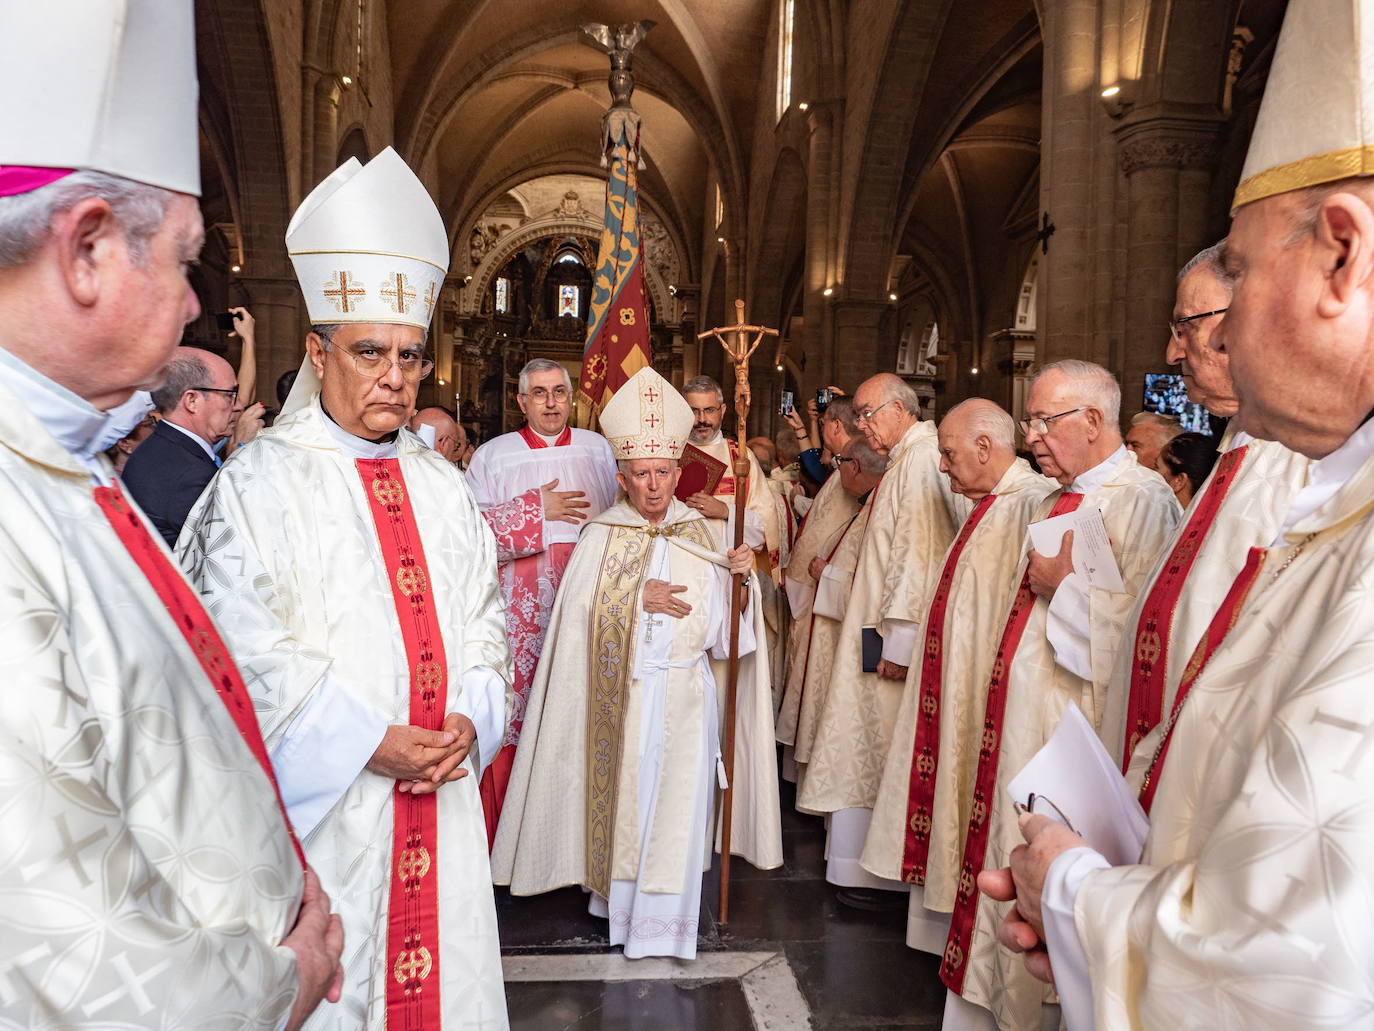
(646, 418)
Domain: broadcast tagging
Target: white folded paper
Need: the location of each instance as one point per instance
(832, 592)
(428, 434)
(799, 597)
(1075, 782)
(1092, 548)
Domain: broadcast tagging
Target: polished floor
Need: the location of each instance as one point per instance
(791, 957)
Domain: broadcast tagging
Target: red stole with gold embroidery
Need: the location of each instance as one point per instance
(952, 967)
(412, 996)
(1217, 630)
(925, 752)
(1154, 631)
(195, 626)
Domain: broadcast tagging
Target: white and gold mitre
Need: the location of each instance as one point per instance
(646, 418)
(1316, 122)
(369, 245)
(108, 86)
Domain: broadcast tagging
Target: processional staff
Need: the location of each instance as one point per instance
(740, 350)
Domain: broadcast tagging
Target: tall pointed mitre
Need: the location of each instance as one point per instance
(368, 246)
(1316, 122)
(108, 87)
(646, 418)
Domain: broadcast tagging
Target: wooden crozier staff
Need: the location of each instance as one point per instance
(739, 351)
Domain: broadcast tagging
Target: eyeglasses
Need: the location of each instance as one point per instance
(1176, 325)
(838, 460)
(413, 364)
(867, 414)
(233, 392)
(539, 395)
(699, 412)
(1042, 426)
(1029, 807)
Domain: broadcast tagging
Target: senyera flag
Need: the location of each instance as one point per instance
(618, 327)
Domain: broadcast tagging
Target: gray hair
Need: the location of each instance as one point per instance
(841, 409)
(1099, 387)
(985, 418)
(899, 390)
(1213, 260)
(623, 464)
(26, 218)
(870, 462)
(704, 385)
(542, 365)
(184, 372)
(1168, 423)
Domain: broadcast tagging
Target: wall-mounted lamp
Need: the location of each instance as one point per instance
(720, 239)
(235, 268)
(828, 291)
(973, 371)
(347, 80)
(672, 289)
(1115, 100)
(891, 297)
(803, 106)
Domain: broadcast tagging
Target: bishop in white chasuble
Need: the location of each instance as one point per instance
(917, 832)
(1033, 678)
(616, 774)
(356, 579)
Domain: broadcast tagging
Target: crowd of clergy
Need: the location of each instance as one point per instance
(267, 777)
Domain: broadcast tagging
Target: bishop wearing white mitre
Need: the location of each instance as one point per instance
(148, 875)
(1250, 904)
(355, 578)
(616, 774)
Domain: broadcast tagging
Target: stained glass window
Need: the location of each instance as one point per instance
(502, 295)
(567, 300)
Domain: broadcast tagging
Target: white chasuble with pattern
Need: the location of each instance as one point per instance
(1140, 514)
(572, 811)
(285, 551)
(923, 802)
(913, 520)
(1251, 903)
(147, 876)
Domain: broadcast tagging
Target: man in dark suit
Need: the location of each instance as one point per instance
(198, 402)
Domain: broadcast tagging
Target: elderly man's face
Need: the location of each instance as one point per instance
(883, 421)
(1146, 439)
(964, 458)
(708, 412)
(1065, 450)
(1297, 329)
(1206, 371)
(368, 404)
(547, 402)
(649, 484)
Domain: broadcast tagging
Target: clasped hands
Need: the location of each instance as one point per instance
(1022, 883)
(420, 760)
(660, 596)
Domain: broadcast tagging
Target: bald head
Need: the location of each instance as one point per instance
(977, 446)
(445, 430)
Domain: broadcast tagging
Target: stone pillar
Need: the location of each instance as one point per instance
(857, 349)
(325, 127)
(818, 269)
(1069, 145)
(1168, 162)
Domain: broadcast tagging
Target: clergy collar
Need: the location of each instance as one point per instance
(1336, 468)
(1098, 476)
(359, 447)
(83, 430)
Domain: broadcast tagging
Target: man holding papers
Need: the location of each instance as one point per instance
(1250, 903)
(917, 834)
(1058, 645)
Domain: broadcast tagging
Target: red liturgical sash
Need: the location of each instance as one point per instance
(412, 996)
(535, 441)
(1150, 665)
(196, 627)
(1217, 630)
(925, 752)
(952, 966)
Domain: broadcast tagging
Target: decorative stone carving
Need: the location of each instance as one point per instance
(659, 251)
(571, 207)
(1159, 151)
(484, 237)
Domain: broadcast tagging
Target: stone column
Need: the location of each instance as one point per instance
(1168, 160)
(857, 350)
(325, 134)
(818, 270)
